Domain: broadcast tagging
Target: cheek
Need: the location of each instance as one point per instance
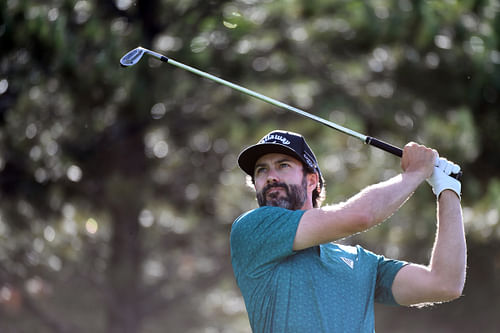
(259, 184)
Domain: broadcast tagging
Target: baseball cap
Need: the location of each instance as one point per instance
(283, 142)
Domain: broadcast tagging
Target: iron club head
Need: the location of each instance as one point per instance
(132, 57)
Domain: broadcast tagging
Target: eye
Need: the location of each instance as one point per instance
(284, 165)
(260, 170)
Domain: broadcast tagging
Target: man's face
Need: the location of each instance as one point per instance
(280, 182)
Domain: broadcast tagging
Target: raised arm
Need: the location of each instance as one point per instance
(371, 206)
(444, 278)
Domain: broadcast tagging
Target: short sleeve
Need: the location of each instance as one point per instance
(386, 272)
(262, 237)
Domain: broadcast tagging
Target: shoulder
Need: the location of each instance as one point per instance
(384, 265)
(358, 252)
(265, 220)
(263, 214)
(364, 252)
(267, 211)
(354, 250)
(262, 236)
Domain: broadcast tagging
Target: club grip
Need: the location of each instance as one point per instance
(384, 146)
(397, 151)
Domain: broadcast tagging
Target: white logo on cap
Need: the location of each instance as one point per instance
(275, 137)
(309, 161)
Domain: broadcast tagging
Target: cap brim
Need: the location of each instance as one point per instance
(251, 155)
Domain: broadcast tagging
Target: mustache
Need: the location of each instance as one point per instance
(273, 185)
(293, 198)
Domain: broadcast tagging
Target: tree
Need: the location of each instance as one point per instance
(118, 186)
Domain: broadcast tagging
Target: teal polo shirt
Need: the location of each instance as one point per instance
(325, 288)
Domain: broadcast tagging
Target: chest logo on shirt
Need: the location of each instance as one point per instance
(348, 261)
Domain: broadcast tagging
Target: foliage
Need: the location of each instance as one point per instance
(118, 186)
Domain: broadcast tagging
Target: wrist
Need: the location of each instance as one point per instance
(442, 183)
(418, 176)
(448, 194)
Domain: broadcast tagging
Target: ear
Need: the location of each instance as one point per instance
(312, 181)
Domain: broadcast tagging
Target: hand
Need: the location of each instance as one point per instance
(419, 159)
(440, 179)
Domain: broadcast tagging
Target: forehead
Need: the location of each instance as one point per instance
(276, 157)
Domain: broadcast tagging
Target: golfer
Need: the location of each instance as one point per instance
(295, 279)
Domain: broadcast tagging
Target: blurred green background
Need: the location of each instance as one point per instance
(118, 186)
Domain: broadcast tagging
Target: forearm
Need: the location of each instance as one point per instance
(381, 200)
(449, 255)
(366, 209)
(443, 279)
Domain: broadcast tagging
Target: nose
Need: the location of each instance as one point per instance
(272, 176)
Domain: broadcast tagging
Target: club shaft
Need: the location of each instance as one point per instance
(366, 139)
(268, 100)
(264, 98)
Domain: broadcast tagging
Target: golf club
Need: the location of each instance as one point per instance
(134, 56)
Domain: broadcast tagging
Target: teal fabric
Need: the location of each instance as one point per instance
(326, 288)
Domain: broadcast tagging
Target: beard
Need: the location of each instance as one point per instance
(294, 198)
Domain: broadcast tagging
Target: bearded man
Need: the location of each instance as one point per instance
(292, 275)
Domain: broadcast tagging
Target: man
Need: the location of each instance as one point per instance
(294, 279)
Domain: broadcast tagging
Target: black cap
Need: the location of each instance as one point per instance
(282, 142)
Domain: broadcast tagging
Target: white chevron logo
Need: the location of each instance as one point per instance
(348, 261)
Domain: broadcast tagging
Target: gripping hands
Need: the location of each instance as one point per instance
(440, 179)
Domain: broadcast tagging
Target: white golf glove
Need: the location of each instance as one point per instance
(440, 179)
